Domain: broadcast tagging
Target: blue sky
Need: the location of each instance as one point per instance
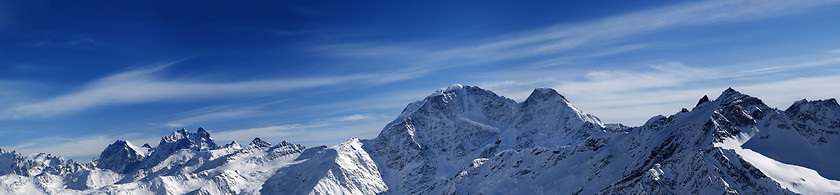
(77, 75)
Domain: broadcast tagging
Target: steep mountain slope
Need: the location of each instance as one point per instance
(467, 140)
(693, 152)
(802, 135)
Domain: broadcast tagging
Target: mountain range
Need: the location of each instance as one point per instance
(468, 140)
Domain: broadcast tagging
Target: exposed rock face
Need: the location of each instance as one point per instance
(121, 157)
(704, 99)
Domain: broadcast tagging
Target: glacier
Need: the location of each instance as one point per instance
(468, 140)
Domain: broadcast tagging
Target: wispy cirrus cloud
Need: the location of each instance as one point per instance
(221, 112)
(13, 91)
(632, 96)
(564, 37)
(565, 60)
(146, 85)
(354, 117)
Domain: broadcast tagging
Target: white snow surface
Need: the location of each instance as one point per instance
(467, 140)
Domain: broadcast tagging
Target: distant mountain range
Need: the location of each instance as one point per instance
(467, 140)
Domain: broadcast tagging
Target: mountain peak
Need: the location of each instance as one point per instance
(731, 96)
(120, 157)
(543, 94)
(179, 134)
(828, 102)
(550, 103)
(545, 90)
(184, 139)
(200, 134)
(453, 87)
(811, 107)
(729, 92)
(702, 100)
(259, 143)
(285, 143)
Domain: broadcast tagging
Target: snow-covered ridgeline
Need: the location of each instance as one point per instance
(467, 140)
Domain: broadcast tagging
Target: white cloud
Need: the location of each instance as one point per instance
(565, 60)
(143, 85)
(221, 112)
(565, 37)
(632, 96)
(669, 75)
(835, 51)
(13, 91)
(782, 94)
(782, 68)
(354, 117)
(634, 108)
(392, 102)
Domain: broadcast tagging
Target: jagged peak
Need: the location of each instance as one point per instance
(200, 134)
(702, 100)
(232, 144)
(177, 135)
(183, 133)
(120, 156)
(146, 145)
(120, 142)
(731, 96)
(285, 146)
(731, 93)
(799, 102)
(198, 140)
(809, 104)
(118, 145)
(285, 143)
(453, 90)
(824, 101)
(258, 143)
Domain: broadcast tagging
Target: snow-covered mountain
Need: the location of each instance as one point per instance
(467, 140)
